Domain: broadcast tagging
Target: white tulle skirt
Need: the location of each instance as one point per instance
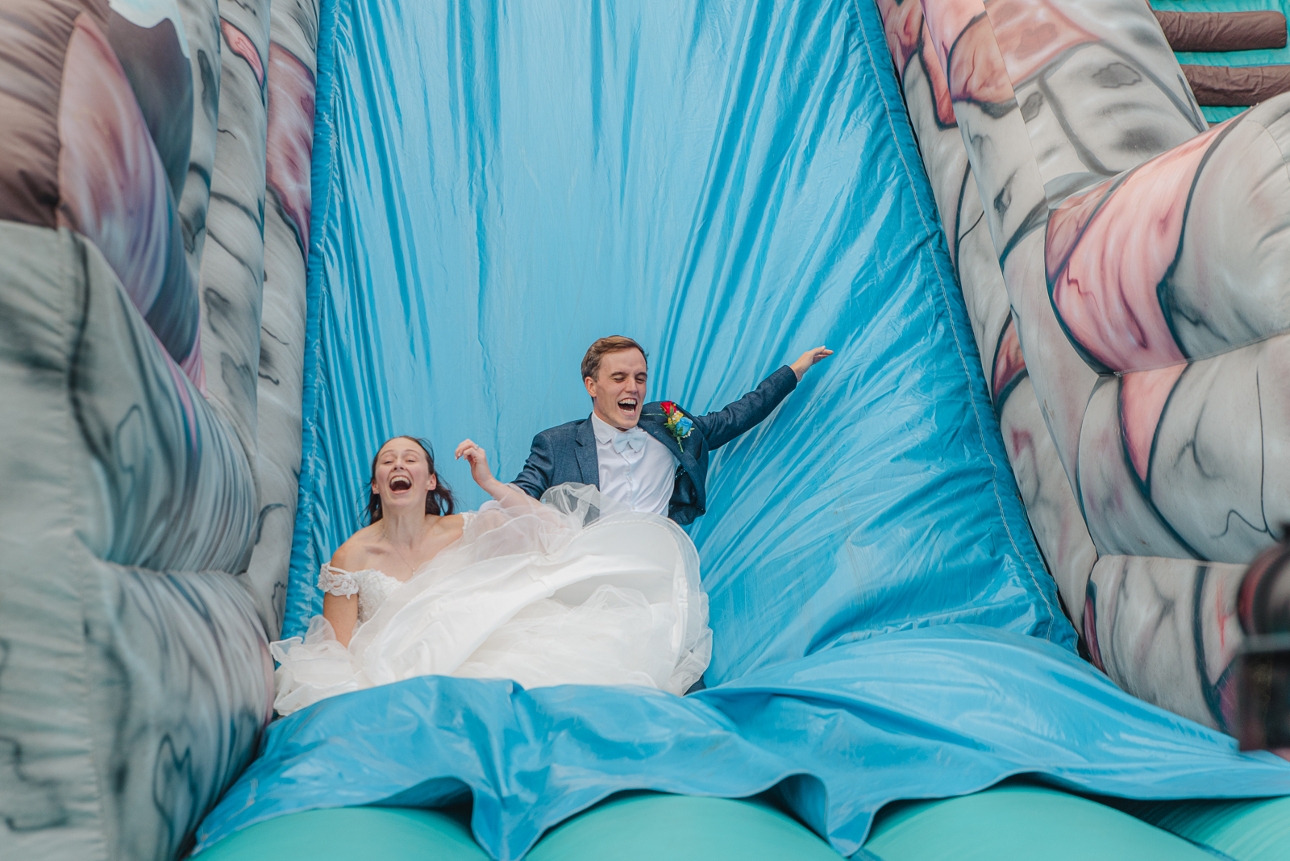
(578, 590)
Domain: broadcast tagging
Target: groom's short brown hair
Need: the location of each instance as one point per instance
(604, 346)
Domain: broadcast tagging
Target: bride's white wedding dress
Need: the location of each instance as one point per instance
(578, 590)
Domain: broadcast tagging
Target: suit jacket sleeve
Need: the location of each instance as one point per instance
(536, 475)
(746, 413)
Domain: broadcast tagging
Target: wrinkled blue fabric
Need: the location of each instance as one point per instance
(730, 183)
(924, 713)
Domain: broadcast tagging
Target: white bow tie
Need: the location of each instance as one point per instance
(633, 439)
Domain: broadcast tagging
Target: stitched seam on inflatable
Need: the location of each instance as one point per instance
(936, 263)
(81, 277)
(322, 169)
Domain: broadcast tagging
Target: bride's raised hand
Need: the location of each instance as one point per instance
(478, 460)
(507, 494)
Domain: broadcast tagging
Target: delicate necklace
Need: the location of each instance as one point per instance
(412, 568)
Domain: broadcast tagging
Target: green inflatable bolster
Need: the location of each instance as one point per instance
(637, 827)
(648, 827)
(1013, 822)
(1021, 823)
(1250, 830)
(351, 834)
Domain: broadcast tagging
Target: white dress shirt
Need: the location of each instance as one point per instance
(635, 469)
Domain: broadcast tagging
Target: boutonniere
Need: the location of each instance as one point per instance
(677, 423)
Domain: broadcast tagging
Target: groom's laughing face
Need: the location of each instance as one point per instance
(618, 391)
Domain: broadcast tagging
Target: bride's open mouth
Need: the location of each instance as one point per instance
(400, 482)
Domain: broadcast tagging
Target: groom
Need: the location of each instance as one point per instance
(650, 457)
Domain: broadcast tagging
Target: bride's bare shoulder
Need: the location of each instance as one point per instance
(354, 554)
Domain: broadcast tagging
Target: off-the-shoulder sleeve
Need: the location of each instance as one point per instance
(336, 581)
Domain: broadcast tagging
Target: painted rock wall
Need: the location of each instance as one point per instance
(154, 205)
(1125, 285)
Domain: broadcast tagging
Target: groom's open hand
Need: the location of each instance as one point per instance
(809, 358)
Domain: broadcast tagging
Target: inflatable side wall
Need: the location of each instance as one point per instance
(154, 210)
(1125, 284)
(1121, 261)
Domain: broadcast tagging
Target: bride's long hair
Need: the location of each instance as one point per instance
(438, 501)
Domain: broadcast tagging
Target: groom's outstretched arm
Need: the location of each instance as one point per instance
(743, 415)
(746, 413)
(538, 470)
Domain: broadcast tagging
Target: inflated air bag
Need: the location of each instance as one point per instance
(1021, 823)
(1223, 31)
(650, 827)
(1248, 830)
(1236, 86)
(351, 833)
(636, 827)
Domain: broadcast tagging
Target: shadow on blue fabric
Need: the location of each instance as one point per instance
(729, 183)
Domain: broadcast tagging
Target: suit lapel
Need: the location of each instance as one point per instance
(654, 426)
(588, 462)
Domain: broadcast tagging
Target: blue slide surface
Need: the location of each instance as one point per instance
(730, 183)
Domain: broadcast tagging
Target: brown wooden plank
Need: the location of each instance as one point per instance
(1223, 31)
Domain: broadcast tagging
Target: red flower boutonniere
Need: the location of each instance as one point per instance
(677, 423)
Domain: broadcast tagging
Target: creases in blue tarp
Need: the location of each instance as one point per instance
(840, 733)
(746, 188)
(730, 183)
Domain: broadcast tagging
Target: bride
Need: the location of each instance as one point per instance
(576, 589)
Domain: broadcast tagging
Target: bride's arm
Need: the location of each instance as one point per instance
(342, 613)
(508, 495)
(341, 610)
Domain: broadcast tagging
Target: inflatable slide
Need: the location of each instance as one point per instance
(971, 586)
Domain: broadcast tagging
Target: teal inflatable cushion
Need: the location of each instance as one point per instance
(940, 711)
(1021, 823)
(1255, 830)
(1012, 822)
(630, 828)
(681, 828)
(352, 834)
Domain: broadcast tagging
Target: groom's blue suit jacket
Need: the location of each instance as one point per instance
(568, 452)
